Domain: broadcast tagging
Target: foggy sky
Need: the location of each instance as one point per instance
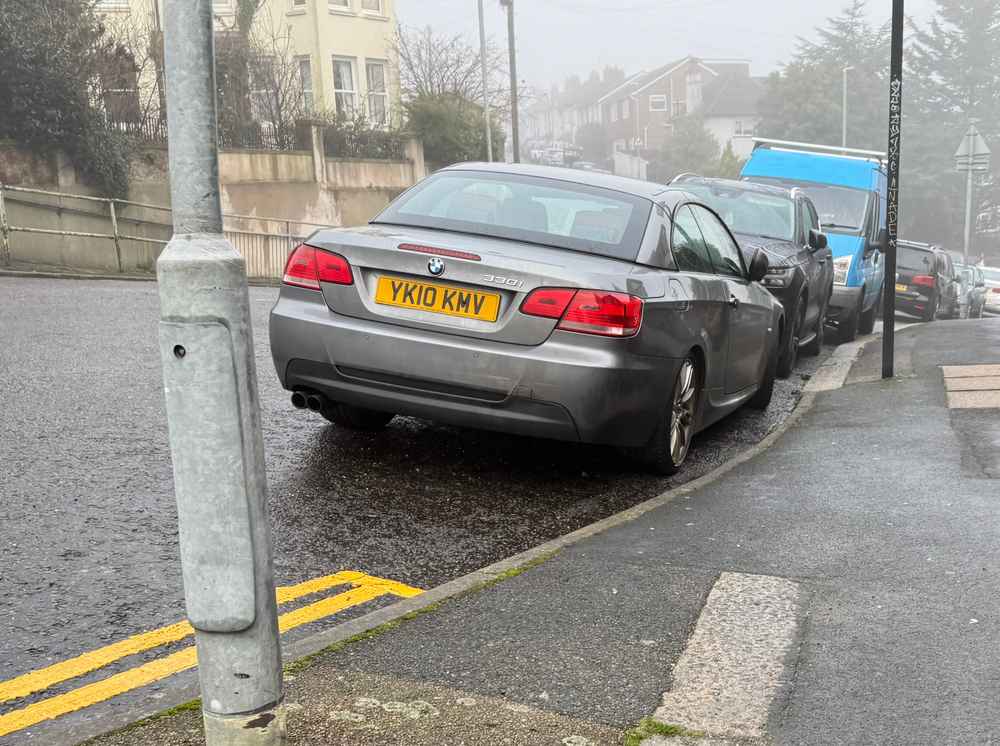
(557, 38)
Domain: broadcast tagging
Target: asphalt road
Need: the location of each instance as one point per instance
(88, 545)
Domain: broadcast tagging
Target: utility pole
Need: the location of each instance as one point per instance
(843, 143)
(892, 202)
(973, 156)
(213, 412)
(515, 125)
(486, 84)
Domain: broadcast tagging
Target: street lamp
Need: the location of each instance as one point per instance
(486, 84)
(514, 124)
(844, 107)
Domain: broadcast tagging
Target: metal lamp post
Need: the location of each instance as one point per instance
(515, 128)
(486, 84)
(892, 198)
(843, 142)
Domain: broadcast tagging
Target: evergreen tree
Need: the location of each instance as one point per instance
(953, 77)
(804, 101)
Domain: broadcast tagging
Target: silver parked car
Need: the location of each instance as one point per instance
(531, 300)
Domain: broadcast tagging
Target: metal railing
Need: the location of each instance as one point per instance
(265, 251)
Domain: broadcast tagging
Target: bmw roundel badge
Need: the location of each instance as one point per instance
(435, 267)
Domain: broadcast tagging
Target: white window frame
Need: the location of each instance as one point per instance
(297, 6)
(659, 98)
(222, 7)
(383, 94)
(380, 11)
(614, 111)
(353, 91)
(308, 94)
(626, 109)
(339, 6)
(105, 6)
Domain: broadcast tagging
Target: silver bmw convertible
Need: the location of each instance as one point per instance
(531, 300)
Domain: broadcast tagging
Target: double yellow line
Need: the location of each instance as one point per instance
(365, 588)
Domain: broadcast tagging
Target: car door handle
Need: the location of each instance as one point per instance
(734, 302)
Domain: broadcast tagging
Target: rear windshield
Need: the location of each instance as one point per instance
(750, 212)
(841, 209)
(551, 212)
(909, 258)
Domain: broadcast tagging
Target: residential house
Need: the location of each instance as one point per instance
(342, 49)
(638, 114)
(559, 115)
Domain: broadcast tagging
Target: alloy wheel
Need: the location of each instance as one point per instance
(682, 416)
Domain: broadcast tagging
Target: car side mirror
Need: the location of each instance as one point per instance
(817, 240)
(759, 266)
(980, 284)
(879, 244)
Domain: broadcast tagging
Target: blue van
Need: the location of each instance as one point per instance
(848, 188)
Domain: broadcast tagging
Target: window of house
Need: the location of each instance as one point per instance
(298, 4)
(657, 103)
(120, 91)
(262, 90)
(306, 79)
(339, 4)
(344, 88)
(372, 6)
(222, 7)
(626, 106)
(614, 112)
(693, 86)
(112, 5)
(743, 129)
(678, 108)
(378, 93)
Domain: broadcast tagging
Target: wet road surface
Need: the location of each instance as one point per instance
(88, 544)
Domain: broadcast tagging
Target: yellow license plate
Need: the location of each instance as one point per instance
(902, 288)
(437, 298)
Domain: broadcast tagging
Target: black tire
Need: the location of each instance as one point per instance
(930, 312)
(662, 454)
(356, 418)
(847, 326)
(762, 399)
(815, 347)
(866, 321)
(790, 347)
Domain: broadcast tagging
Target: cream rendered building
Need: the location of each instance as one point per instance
(343, 48)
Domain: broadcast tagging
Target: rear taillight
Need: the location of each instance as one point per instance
(599, 312)
(926, 281)
(308, 266)
(995, 290)
(547, 302)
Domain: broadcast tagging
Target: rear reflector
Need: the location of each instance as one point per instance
(434, 251)
(926, 281)
(308, 266)
(587, 311)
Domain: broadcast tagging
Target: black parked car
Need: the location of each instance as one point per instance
(926, 283)
(784, 224)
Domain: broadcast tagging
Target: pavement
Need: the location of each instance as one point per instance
(88, 544)
(836, 586)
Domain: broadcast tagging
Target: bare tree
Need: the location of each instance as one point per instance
(130, 80)
(277, 93)
(434, 65)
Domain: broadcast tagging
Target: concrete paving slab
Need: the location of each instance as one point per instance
(974, 383)
(734, 663)
(328, 707)
(965, 371)
(974, 399)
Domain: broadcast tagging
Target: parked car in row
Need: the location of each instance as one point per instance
(973, 290)
(531, 300)
(926, 284)
(991, 276)
(848, 189)
(782, 223)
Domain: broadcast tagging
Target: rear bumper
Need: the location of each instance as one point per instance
(569, 388)
(912, 303)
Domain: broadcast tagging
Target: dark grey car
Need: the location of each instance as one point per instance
(531, 300)
(784, 224)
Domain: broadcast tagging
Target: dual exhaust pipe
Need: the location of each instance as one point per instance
(312, 402)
